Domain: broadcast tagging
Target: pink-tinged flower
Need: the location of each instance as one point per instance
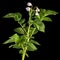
(28, 8)
(29, 4)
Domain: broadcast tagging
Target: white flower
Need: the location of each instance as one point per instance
(29, 4)
(37, 9)
(36, 13)
(28, 8)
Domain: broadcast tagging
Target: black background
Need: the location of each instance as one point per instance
(49, 40)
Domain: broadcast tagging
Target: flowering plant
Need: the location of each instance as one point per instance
(23, 39)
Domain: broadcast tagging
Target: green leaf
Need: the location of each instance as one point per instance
(23, 39)
(50, 12)
(21, 21)
(16, 38)
(46, 19)
(11, 46)
(27, 55)
(9, 41)
(31, 47)
(31, 22)
(40, 26)
(13, 38)
(34, 42)
(43, 13)
(17, 16)
(17, 46)
(19, 30)
(21, 52)
(33, 31)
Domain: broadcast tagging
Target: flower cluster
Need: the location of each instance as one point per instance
(29, 5)
(37, 10)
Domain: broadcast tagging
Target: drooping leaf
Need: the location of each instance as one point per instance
(31, 47)
(19, 30)
(34, 42)
(46, 19)
(17, 16)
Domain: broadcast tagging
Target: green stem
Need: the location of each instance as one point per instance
(22, 27)
(28, 33)
(25, 48)
(24, 52)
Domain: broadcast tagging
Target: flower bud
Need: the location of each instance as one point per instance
(28, 8)
(29, 4)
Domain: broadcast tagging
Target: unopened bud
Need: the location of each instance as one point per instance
(29, 4)
(28, 8)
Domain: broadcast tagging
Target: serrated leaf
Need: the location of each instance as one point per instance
(46, 19)
(31, 47)
(19, 30)
(34, 42)
(40, 26)
(16, 16)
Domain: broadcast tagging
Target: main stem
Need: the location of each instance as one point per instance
(24, 52)
(25, 48)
